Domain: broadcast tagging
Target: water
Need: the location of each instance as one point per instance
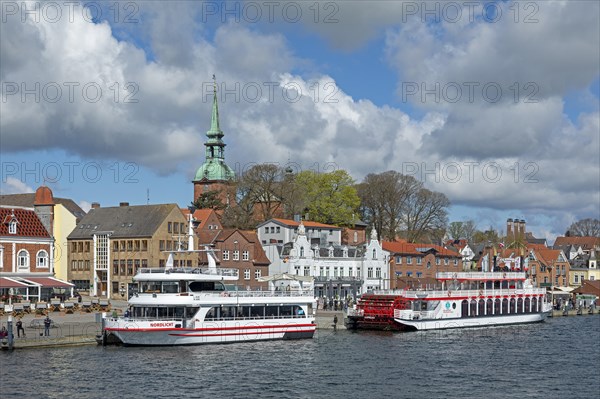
(555, 359)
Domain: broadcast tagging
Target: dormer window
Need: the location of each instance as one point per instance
(12, 227)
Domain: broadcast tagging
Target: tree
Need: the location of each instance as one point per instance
(209, 200)
(425, 211)
(585, 228)
(456, 230)
(262, 186)
(383, 198)
(329, 197)
(469, 228)
(489, 236)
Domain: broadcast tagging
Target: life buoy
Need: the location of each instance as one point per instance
(224, 293)
(449, 293)
(454, 276)
(504, 275)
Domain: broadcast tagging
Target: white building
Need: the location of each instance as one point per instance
(340, 271)
(281, 231)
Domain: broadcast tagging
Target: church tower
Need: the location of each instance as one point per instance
(214, 174)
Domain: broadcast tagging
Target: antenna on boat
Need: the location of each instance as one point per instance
(169, 264)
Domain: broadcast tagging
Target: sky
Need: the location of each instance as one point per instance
(495, 104)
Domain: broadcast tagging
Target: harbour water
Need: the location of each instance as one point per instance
(555, 359)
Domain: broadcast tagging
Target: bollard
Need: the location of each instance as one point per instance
(11, 337)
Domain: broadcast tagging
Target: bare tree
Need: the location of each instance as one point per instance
(425, 211)
(469, 229)
(261, 185)
(585, 228)
(456, 230)
(383, 199)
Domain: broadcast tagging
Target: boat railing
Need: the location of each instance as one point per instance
(482, 275)
(389, 292)
(284, 293)
(219, 271)
(356, 312)
(475, 293)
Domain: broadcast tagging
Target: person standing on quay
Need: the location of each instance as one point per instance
(20, 329)
(47, 323)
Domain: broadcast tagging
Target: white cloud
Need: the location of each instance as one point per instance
(14, 186)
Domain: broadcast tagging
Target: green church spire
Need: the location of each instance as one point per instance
(214, 168)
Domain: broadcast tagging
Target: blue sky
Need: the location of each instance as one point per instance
(377, 86)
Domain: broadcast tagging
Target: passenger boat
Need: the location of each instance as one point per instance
(190, 306)
(375, 311)
(475, 299)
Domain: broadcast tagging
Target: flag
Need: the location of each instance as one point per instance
(501, 245)
(518, 263)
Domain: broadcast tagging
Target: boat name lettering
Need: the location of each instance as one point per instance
(162, 324)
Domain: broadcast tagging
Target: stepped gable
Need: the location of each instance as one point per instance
(28, 224)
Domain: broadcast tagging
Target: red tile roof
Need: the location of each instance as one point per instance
(28, 224)
(406, 248)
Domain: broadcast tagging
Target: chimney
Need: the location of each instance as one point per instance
(95, 205)
(509, 230)
(123, 203)
(522, 229)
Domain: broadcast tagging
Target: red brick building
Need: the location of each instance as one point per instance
(420, 261)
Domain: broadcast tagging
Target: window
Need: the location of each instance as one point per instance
(455, 262)
(437, 261)
(170, 227)
(115, 267)
(73, 265)
(161, 245)
(533, 269)
(181, 228)
(80, 246)
(272, 230)
(236, 255)
(144, 245)
(80, 265)
(176, 228)
(374, 253)
(246, 274)
(130, 245)
(419, 274)
(378, 272)
(257, 274)
(87, 265)
(122, 268)
(266, 230)
(115, 287)
(330, 232)
(446, 261)
(12, 227)
(408, 274)
(302, 252)
(370, 272)
(169, 245)
(87, 246)
(122, 245)
(137, 266)
(42, 259)
(23, 259)
(245, 255)
(115, 246)
(144, 263)
(398, 260)
(130, 267)
(307, 270)
(409, 260)
(576, 279)
(225, 254)
(278, 229)
(355, 236)
(136, 245)
(419, 260)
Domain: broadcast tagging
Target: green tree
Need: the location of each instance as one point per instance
(329, 197)
(209, 200)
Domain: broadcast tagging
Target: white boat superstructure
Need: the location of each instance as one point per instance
(474, 299)
(190, 306)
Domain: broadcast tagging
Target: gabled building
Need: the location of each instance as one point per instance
(419, 260)
(241, 250)
(586, 243)
(110, 244)
(340, 271)
(281, 231)
(58, 215)
(26, 256)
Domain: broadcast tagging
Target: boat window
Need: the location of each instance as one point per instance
(170, 287)
(257, 311)
(271, 311)
(198, 286)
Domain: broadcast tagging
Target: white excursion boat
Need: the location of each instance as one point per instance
(191, 306)
(475, 299)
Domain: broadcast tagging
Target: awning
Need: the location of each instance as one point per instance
(49, 282)
(10, 283)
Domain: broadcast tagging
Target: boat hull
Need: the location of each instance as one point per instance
(472, 322)
(213, 332)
